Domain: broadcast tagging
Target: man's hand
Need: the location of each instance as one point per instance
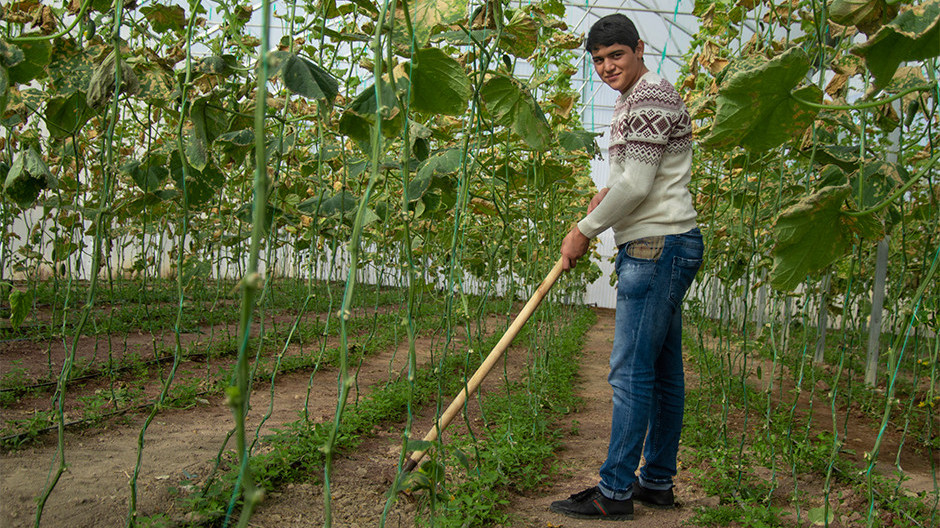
(573, 247)
(597, 198)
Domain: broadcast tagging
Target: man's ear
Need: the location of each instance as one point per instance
(639, 49)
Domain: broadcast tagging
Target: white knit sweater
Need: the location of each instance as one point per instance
(650, 166)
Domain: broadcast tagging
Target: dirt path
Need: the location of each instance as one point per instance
(585, 451)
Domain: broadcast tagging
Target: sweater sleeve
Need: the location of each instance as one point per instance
(642, 124)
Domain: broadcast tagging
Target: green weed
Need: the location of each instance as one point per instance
(750, 514)
(15, 377)
(19, 433)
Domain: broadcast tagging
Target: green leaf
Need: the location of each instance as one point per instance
(62, 249)
(208, 122)
(427, 16)
(912, 36)
(4, 89)
(551, 172)
(831, 175)
(756, 93)
(878, 180)
(432, 173)
(420, 139)
(36, 55)
(311, 205)
(27, 177)
(815, 232)
(513, 106)
(20, 303)
(368, 6)
(19, 186)
(305, 78)
(245, 213)
(867, 15)
(359, 117)
(235, 145)
(102, 6)
(356, 167)
(442, 163)
(164, 18)
(465, 38)
(200, 186)
(532, 125)
(822, 516)
(418, 445)
(572, 140)
(339, 204)
(418, 186)
(65, 116)
(166, 194)
(502, 96)
(439, 84)
(149, 175)
(844, 156)
(462, 458)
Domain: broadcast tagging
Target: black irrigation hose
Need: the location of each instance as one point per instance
(99, 373)
(19, 437)
(96, 374)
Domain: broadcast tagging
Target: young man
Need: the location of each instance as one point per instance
(649, 207)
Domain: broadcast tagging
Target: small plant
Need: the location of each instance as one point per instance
(106, 401)
(15, 377)
(740, 513)
(23, 431)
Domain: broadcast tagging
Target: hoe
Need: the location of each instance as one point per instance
(454, 408)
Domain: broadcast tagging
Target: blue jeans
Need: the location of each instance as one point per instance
(646, 373)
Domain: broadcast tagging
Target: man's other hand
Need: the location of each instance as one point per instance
(597, 198)
(573, 247)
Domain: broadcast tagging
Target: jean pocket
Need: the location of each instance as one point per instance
(683, 273)
(647, 248)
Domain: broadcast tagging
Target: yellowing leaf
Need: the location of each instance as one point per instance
(914, 35)
(813, 233)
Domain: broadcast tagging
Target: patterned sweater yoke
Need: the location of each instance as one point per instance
(650, 165)
(649, 122)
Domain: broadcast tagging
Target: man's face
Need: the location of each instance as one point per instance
(618, 65)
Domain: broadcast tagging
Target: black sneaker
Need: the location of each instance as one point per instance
(592, 504)
(663, 499)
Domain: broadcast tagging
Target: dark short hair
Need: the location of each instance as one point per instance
(610, 30)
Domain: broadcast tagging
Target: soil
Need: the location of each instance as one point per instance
(182, 444)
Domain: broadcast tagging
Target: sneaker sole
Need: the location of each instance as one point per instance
(658, 506)
(621, 517)
(671, 506)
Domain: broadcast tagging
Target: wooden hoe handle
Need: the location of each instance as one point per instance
(455, 407)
